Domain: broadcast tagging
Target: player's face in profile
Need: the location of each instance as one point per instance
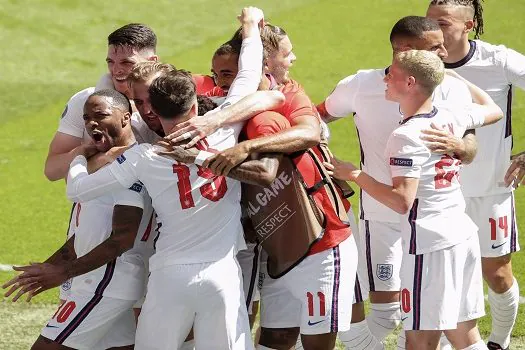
(224, 69)
(103, 122)
(432, 41)
(396, 81)
(452, 20)
(121, 60)
(143, 104)
(278, 63)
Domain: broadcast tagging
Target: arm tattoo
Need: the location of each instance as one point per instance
(257, 172)
(65, 253)
(126, 222)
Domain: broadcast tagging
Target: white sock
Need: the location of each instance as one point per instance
(480, 345)
(298, 344)
(444, 343)
(360, 338)
(383, 319)
(188, 345)
(262, 347)
(504, 309)
(401, 340)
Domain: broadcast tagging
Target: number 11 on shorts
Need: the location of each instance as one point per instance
(322, 305)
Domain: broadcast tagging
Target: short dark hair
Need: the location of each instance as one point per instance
(172, 94)
(205, 104)
(476, 7)
(232, 46)
(136, 35)
(119, 100)
(412, 27)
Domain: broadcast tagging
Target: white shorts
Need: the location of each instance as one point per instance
(89, 321)
(316, 295)
(249, 261)
(380, 256)
(442, 288)
(360, 293)
(496, 219)
(207, 296)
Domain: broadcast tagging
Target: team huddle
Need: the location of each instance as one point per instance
(196, 198)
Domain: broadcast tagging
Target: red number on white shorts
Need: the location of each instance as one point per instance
(64, 311)
(213, 191)
(322, 304)
(444, 178)
(502, 223)
(405, 300)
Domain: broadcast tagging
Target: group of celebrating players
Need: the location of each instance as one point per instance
(167, 250)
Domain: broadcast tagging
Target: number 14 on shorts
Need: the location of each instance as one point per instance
(500, 223)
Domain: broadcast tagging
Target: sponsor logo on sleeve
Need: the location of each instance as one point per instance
(401, 161)
(137, 187)
(64, 112)
(121, 159)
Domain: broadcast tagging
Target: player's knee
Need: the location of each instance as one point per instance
(279, 338)
(498, 273)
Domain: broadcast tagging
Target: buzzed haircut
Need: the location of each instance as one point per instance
(172, 94)
(205, 104)
(476, 7)
(412, 27)
(119, 100)
(230, 47)
(136, 35)
(426, 67)
(143, 71)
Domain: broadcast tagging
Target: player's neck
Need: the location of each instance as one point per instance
(125, 139)
(458, 52)
(416, 105)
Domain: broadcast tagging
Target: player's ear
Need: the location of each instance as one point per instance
(153, 58)
(469, 25)
(411, 81)
(126, 118)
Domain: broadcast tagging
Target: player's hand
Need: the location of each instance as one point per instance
(88, 149)
(441, 141)
(251, 15)
(35, 279)
(193, 130)
(516, 171)
(223, 162)
(342, 170)
(177, 152)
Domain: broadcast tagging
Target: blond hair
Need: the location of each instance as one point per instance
(143, 71)
(425, 66)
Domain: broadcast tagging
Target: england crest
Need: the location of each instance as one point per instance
(67, 285)
(384, 271)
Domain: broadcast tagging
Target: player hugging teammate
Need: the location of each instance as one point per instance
(187, 209)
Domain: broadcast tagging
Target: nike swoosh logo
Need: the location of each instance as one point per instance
(499, 245)
(310, 323)
(403, 319)
(49, 326)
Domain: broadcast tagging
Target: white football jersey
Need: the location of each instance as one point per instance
(437, 219)
(495, 69)
(92, 221)
(363, 94)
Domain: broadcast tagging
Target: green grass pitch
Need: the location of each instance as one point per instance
(53, 48)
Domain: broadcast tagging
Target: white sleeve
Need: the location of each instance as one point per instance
(341, 101)
(515, 68)
(250, 71)
(133, 196)
(82, 187)
(72, 121)
(406, 156)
